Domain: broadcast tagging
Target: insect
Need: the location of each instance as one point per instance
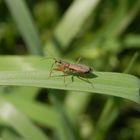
(67, 68)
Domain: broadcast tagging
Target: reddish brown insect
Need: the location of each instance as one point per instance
(68, 67)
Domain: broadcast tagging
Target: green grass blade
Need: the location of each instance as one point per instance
(131, 63)
(26, 93)
(132, 41)
(25, 24)
(19, 122)
(73, 20)
(8, 134)
(66, 129)
(121, 18)
(76, 103)
(110, 113)
(117, 84)
(42, 114)
(110, 83)
(111, 110)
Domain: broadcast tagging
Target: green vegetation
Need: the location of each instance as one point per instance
(36, 106)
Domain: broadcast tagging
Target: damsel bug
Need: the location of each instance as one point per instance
(70, 68)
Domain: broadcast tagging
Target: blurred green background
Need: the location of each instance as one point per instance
(104, 33)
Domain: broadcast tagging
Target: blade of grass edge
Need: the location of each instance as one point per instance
(19, 122)
(72, 22)
(24, 22)
(110, 111)
(116, 84)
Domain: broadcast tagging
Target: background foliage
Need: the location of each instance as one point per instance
(105, 34)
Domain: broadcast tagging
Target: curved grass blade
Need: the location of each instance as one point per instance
(116, 84)
(111, 110)
(36, 74)
(42, 114)
(73, 20)
(25, 24)
(66, 129)
(19, 122)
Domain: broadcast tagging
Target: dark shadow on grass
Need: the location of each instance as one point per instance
(84, 77)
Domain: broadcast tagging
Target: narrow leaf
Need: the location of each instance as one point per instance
(73, 20)
(110, 83)
(24, 22)
(117, 84)
(19, 122)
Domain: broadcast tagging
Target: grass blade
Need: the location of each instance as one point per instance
(42, 114)
(110, 83)
(66, 128)
(25, 24)
(111, 110)
(117, 84)
(19, 122)
(73, 20)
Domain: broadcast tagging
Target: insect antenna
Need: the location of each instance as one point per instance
(79, 59)
(51, 69)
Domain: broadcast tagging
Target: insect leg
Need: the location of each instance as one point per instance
(65, 74)
(72, 78)
(51, 69)
(64, 79)
(86, 80)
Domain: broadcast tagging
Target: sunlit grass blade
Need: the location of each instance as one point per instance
(26, 93)
(36, 74)
(24, 22)
(117, 84)
(19, 122)
(131, 63)
(121, 18)
(73, 20)
(66, 129)
(8, 134)
(111, 110)
(76, 103)
(109, 113)
(40, 113)
(132, 41)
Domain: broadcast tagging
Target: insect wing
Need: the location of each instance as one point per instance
(79, 68)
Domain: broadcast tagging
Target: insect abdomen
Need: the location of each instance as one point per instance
(79, 68)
